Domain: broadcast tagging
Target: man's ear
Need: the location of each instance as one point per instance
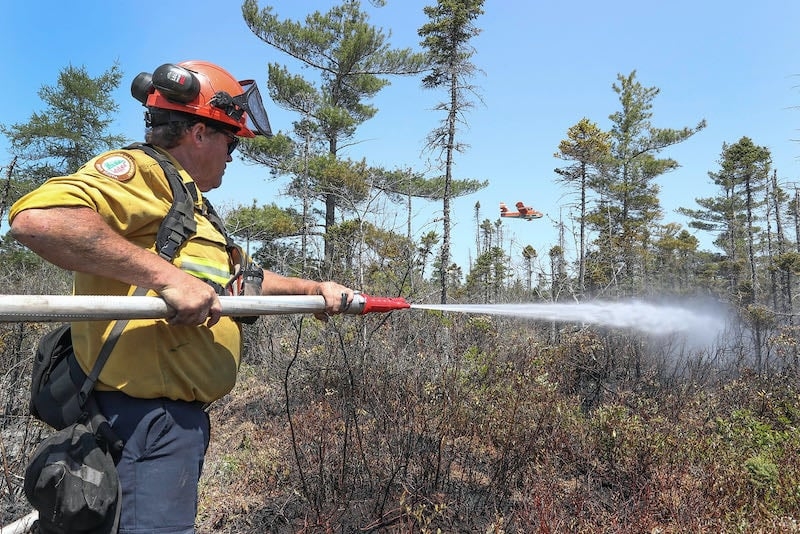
(198, 133)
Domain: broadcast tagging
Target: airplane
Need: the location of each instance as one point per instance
(523, 212)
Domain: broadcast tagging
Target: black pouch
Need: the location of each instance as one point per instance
(72, 481)
(61, 393)
(57, 380)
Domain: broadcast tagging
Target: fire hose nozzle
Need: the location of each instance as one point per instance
(362, 304)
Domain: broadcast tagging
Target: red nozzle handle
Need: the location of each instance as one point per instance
(382, 304)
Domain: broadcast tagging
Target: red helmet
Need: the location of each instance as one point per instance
(206, 90)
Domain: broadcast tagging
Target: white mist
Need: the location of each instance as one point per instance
(695, 321)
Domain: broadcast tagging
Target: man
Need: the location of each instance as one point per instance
(102, 223)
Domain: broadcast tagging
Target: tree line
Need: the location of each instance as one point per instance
(624, 247)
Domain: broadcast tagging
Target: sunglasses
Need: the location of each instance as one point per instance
(233, 141)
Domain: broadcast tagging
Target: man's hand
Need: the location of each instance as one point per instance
(337, 299)
(193, 301)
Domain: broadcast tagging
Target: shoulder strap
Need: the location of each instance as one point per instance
(179, 224)
(105, 352)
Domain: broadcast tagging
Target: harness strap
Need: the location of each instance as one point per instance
(179, 224)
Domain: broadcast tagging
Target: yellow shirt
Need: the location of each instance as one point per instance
(151, 358)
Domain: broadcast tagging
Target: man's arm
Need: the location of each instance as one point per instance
(276, 284)
(78, 239)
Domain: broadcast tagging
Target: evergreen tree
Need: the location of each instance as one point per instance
(425, 249)
(589, 148)
(486, 279)
(558, 272)
(262, 224)
(733, 213)
(748, 166)
(675, 261)
(446, 38)
(529, 255)
(70, 130)
(352, 60)
(629, 205)
(775, 198)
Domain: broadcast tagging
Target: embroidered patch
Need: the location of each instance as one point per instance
(118, 165)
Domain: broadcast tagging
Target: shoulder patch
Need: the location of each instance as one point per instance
(117, 165)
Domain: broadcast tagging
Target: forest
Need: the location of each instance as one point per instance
(438, 421)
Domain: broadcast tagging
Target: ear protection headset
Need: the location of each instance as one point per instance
(175, 83)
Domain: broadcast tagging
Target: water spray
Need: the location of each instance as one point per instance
(696, 320)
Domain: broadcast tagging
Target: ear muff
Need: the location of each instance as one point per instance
(142, 86)
(173, 82)
(176, 83)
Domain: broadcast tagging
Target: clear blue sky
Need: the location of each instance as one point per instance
(545, 66)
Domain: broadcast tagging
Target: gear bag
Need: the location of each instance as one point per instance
(56, 380)
(71, 478)
(72, 481)
(61, 393)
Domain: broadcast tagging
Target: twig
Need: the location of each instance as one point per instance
(289, 411)
(6, 473)
(7, 188)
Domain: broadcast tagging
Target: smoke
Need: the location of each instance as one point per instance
(700, 322)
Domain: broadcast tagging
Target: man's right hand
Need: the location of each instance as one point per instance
(193, 301)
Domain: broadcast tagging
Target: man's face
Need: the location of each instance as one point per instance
(212, 156)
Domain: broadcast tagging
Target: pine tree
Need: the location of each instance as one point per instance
(629, 205)
(589, 148)
(351, 60)
(732, 214)
(447, 37)
(73, 127)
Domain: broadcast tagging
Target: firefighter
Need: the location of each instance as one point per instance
(103, 223)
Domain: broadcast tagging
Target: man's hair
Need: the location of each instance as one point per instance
(168, 135)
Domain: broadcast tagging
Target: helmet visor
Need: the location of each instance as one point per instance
(252, 104)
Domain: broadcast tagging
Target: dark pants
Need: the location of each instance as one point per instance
(165, 443)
